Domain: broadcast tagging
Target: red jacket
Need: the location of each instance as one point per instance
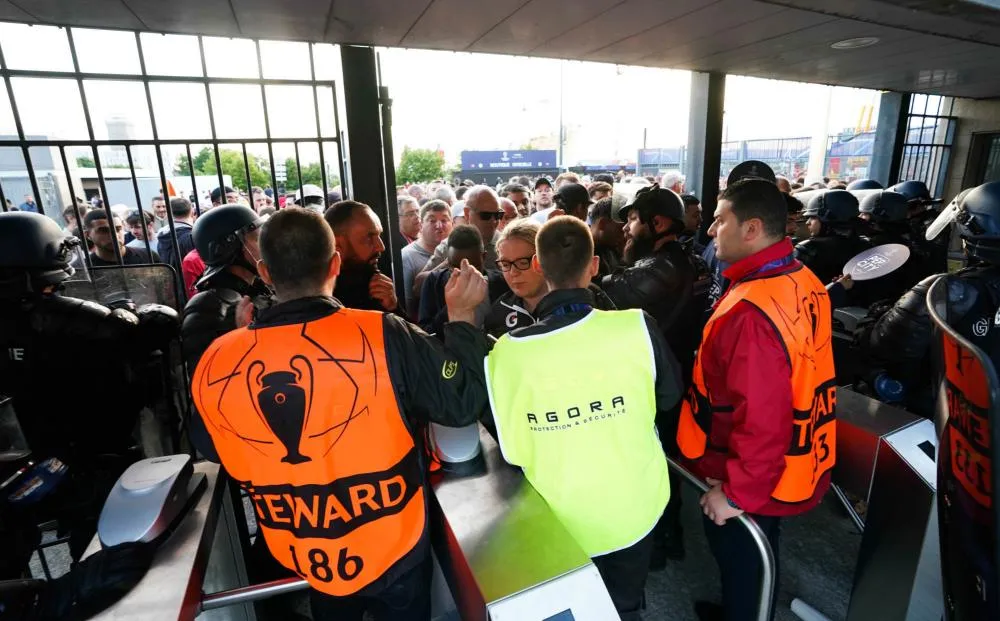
(192, 267)
(744, 366)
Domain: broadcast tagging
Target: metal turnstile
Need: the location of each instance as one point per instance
(886, 457)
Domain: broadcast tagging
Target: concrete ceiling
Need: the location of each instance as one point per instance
(930, 46)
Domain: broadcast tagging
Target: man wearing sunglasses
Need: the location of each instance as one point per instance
(482, 210)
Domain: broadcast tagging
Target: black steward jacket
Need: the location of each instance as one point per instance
(424, 392)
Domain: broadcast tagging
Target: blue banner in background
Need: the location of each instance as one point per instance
(508, 160)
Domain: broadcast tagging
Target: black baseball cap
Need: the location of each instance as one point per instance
(751, 169)
(542, 181)
(572, 194)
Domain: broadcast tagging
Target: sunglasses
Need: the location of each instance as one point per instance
(490, 215)
(522, 264)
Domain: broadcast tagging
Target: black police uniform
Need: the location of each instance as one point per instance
(934, 253)
(901, 339)
(672, 285)
(825, 254)
(75, 373)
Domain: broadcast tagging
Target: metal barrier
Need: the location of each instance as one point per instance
(767, 577)
(257, 592)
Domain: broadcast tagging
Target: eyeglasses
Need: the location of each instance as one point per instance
(490, 215)
(521, 264)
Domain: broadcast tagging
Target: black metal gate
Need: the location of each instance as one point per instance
(49, 161)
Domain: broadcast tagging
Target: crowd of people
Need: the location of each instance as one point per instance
(725, 358)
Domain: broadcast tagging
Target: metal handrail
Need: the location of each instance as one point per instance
(766, 554)
(256, 592)
(251, 593)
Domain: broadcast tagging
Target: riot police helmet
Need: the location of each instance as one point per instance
(832, 207)
(978, 222)
(864, 184)
(654, 201)
(34, 253)
(218, 236)
(916, 192)
(885, 207)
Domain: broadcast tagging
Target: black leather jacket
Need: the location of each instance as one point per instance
(212, 312)
(74, 370)
(672, 286)
(826, 255)
(901, 339)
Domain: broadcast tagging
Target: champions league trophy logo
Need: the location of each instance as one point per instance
(283, 403)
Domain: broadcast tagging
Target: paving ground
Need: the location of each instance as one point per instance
(818, 554)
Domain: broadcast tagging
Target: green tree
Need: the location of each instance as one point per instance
(419, 165)
(85, 162)
(232, 165)
(311, 173)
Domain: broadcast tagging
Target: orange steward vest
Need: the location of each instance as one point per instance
(305, 417)
(798, 307)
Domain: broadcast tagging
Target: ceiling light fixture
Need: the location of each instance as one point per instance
(855, 43)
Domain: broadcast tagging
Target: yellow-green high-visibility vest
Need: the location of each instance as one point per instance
(582, 429)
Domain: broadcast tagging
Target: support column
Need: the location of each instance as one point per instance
(366, 148)
(890, 134)
(704, 145)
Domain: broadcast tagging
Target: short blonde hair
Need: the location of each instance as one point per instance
(524, 229)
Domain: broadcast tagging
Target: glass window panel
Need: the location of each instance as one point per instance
(50, 108)
(42, 48)
(8, 130)
(284, 158)
(50, 177)
(118, 110)
(285, 59)
(231, 58)
(238, 110)
(171, 54)
(260, 165)
(181, 110)
(327, 122)
(331, 152)
(106, 51)
(327, 59)
(934, 104)
(291, 111)
(14, 180)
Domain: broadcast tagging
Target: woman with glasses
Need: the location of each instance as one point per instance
(515, 260)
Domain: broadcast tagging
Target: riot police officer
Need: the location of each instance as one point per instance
(832, 218)
(921, 214)
(864, 184)
(226, 239)
(900, 339)
(672, 284)
(80, 411)
(885, 214)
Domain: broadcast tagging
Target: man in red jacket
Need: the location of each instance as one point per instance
(758, 423)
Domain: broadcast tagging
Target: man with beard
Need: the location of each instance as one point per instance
(692, 223)
(481, 210)
(543, 193)
(359, 239)
(670, 283)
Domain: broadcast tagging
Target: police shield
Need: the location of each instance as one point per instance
(135, 284)
(877, 262)
(967, 408)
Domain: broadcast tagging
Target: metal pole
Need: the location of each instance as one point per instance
(76, 208)
(252, 593)
(319, 132)
(97, 156)
(766, 554)
(267, 128)
(181, 294)
(194, 184)
(246, 168)
(3, 199)
(340, 146)
(211, 121)
(298, 173)
(138, 202)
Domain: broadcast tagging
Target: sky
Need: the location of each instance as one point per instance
(441, 100)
